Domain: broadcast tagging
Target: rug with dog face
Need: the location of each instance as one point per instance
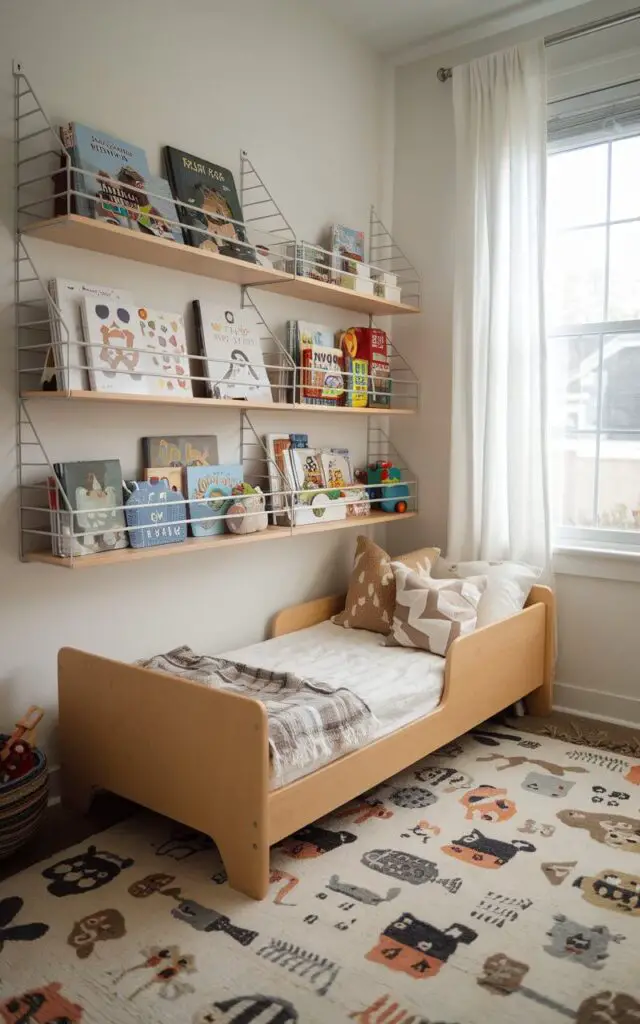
(496, 880)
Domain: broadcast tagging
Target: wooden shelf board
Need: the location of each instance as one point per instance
(335, 295)
(112, 240)
(211, 403)
(226, 540)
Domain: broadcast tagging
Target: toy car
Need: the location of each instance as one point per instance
(385, 488)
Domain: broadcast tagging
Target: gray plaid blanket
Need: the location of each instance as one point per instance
(308, 721)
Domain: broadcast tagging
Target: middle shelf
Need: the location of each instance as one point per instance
(212, 403)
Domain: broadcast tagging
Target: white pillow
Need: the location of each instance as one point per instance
(508, 585)
(430, 614)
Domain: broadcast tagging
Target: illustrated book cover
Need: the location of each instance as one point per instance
(336, 470)
(117, 186)
(95, 493)
(209, 192)
(172, 476)
(277, 445)
(321, 373)
(191, 450)
(209, 491)
(68, 369)
(135, 351)
(231, 343)
(307, 468)
(371, 344)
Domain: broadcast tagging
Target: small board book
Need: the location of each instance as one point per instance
(210, 195)
(371, 344)
(231, 343)
(95, 493)
(116, 184)
(277, 446)
(196, 450)
(307, 468)
(134, 350)
(209, 490)
(346, 244)
(336, 470)
(70, 355)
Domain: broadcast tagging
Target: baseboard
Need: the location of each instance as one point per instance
(607, 707)
(54, 786)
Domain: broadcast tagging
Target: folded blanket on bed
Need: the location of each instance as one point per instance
(308, 722)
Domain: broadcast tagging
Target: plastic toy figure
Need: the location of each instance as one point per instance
(385, 489)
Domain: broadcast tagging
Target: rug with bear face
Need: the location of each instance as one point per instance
(496, 880)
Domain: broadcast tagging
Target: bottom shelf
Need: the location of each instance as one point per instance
(225, 540)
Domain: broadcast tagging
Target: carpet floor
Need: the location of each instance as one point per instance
(497, 880)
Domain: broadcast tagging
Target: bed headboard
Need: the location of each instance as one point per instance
(301, 616)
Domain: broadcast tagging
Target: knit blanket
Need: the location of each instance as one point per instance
(309, 722)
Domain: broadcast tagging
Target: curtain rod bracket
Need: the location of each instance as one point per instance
(444, 74)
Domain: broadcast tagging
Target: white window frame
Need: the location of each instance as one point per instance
(595, 538)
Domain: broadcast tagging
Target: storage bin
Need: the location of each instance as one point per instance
(22, 803)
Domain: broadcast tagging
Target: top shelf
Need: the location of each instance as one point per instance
(112, 240)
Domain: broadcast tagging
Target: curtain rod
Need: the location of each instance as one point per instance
(444, 74)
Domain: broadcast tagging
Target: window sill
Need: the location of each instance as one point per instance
(597, 563)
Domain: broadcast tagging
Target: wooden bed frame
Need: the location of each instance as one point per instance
(201, 756)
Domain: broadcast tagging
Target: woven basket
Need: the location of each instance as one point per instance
(22, 804)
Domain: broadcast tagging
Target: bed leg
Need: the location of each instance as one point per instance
(75, 794)
(540, 702)
(246, 865)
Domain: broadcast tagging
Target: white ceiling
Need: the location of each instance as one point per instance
(390, 26)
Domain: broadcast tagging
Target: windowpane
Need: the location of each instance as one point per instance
(576, 276)
(625, 193)
(619, 484)
(573, 367)
(621, 383)
(577, 187)
(573, 473)
(624, 270)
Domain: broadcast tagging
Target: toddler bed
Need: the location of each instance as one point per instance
(201, 756)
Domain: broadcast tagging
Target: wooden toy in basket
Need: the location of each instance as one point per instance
(24, 783)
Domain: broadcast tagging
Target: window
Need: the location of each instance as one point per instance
(593, 312)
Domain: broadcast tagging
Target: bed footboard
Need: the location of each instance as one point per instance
(197, 755)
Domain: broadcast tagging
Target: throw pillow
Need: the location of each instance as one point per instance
(508, 585)
(371, 597)
(430, 614)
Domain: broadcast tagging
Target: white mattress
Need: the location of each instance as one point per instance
(398, 684)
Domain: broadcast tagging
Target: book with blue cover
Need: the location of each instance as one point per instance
(209, 492)
(115, 170)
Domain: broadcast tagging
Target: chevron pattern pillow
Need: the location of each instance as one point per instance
(430, 614)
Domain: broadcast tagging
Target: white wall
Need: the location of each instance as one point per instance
(209, 76)
(598, 634)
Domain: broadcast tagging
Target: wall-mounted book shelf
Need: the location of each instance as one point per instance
(227, 540)
(112, 240)
(211, 403)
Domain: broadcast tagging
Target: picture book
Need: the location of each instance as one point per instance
(135, 351)
(69, 363)
(154, 211)
(95, 493)
(231, 343)
(322, 379)
(305, 333)
(348, 242)
(277, 446)
(201, 450)
(336, 469)
(173, 476)
(209, 491)
(210, 195)
(371, 344)
(307, 468)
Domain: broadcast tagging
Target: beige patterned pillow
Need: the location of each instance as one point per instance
(371, 597)
(430, 614)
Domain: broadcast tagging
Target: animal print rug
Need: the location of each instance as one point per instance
(497, 880)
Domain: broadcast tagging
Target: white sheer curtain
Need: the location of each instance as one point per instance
(499, 507)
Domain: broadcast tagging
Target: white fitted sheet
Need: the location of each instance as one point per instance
(398, 684)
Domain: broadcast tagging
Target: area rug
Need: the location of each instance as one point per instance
(497, 880)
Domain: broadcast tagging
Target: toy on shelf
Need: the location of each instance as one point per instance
(385, 488)
(17, 756)
(247, 511)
